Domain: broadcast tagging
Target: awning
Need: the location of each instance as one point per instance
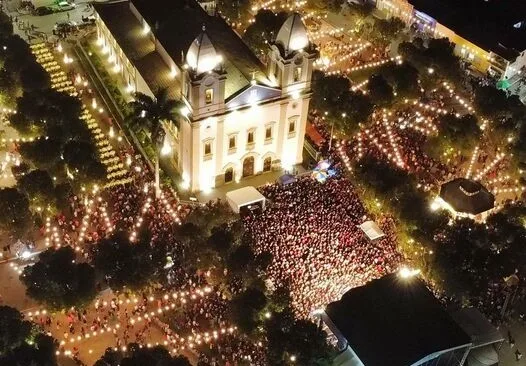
(372, 230)
(243, 197)
(286, 179)
(313, 134)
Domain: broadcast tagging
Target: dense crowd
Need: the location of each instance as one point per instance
(317, 246)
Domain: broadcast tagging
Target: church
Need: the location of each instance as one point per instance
(241, 117)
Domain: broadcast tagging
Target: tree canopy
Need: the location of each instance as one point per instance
(39, 187)
(58, 280)
(127, 264)
(21, 343)
(263, 30)
(16, 217)
(140, 356)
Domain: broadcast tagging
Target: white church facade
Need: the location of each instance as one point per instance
(241, 118)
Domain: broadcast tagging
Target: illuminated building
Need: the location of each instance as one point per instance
(241, 117)
(489, 34)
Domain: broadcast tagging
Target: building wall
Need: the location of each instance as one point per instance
(283, 148)
(127, 72)
(479, 58)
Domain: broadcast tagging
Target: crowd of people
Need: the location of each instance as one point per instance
(316, 243)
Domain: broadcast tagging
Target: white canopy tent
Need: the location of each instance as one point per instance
(372, 230)
(244, 197)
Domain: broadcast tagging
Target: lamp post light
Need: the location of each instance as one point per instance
(159, 137)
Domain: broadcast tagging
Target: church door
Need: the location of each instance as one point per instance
(229, 175)
(267, 164)
(248, 166)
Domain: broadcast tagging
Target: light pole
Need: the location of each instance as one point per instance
(160, 134)
(332, 131)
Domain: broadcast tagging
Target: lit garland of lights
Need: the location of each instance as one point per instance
(490, 166)
(60, 82)
(347, 56)
(499, 180)
(474, 156)
(315, 35)
(508, 190)
(392, 141)
(397, 59)
(344, 156)
(359, 86)
(172, 299)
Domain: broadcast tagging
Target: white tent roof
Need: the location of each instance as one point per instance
(372, 230)
(243, 197)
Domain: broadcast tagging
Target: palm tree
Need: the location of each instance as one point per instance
(150, 113)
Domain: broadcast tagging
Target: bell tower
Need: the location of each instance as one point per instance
(204, 78)
(291, 57)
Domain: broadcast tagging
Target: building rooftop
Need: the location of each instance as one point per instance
(395, 321)
(177, 24)
(467, 196)
(494, 25)
(140, 50)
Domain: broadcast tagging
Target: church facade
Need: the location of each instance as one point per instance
(241, 118)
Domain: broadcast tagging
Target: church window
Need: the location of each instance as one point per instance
(209, 96)
(292, 127)
(232, 142)
(208, 148)
(250, 137)
(268, 133)
(297, 74)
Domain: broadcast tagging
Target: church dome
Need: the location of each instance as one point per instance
(293, 35)
(202, 55)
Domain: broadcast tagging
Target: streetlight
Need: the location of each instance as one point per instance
(159, 142)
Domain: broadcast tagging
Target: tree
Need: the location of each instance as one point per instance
(380, 91)
(59, 281)
(127, 264)
(139, 356)
(328, 91)
(21, 344)
(288, 337)
(43, 153)
(440, 54)
(263, 30)
(39, 187)
(404, 78)
(462, 133)
(51, 113)
(240, 258)
(14, 330)
(151, 113)
(245, 307)
(221, 239)
(6, 26)
(334, 6)
(491, 102)
(386, 30)
(34, 77)
(14, 206)
(82, 161)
